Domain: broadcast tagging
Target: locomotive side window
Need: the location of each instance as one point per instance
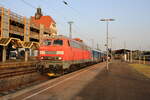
(75, 44)
(47, 42)
(58, 42)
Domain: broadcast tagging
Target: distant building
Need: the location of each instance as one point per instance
(121, 54)
(47, 21)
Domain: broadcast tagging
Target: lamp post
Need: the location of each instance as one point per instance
(70, 28)
(107, 22)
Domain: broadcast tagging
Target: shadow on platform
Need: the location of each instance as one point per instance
(121, 82)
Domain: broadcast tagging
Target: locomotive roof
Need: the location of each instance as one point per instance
(65, 37)
(59, 36)
(96, 50)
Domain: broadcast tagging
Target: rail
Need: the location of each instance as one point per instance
(16, 73)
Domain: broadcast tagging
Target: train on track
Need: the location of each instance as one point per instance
(60, 54)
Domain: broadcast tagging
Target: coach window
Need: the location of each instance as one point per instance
(58, 42)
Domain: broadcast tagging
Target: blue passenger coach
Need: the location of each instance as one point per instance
(98, 55)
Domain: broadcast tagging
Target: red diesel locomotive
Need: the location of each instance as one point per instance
(60, 54)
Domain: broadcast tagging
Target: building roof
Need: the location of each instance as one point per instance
(45, 20)
(121, 51)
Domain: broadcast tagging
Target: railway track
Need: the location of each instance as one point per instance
(16, 88)
(22, 76)
(16, 73)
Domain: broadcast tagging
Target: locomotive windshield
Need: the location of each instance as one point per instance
(47, 42)
(58, 42)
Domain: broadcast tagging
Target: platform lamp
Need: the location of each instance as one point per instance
(70, 28)
(107, 22)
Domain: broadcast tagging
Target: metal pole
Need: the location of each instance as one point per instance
(139, 59)
(97, 46)
(131, 56)
(111, 43)
(26, 55)
(124, 51)
(70, 28)
(92, 43)
(144, 60)
(4, 54)
(107, 22)
(107, 44)
(128, 58)
(111, 49)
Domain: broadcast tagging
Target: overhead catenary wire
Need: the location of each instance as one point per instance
(32, 6)
(82, 32)
(1, 4)
(12, 9)
(86, 39)
(27, 3)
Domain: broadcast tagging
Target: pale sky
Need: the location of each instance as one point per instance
(130, 28)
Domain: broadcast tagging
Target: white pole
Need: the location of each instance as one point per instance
(131, 56)
(26, 55)
(144, 59)
(128, 56)
(139, 59)
(70, 28)
(4, 54)
(107, 22)
(107, 44)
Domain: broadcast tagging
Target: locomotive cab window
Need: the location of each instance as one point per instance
(58, 42)
(47, 42)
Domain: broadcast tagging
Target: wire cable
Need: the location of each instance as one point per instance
(27, 3)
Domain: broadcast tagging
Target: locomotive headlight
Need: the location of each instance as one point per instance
(59, 58)
(42, 52)
(42, 57)
(60, 52)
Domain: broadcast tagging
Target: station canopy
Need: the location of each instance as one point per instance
(15, 42)
(29, 45)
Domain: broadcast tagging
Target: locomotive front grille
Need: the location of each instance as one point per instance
(50, 52)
